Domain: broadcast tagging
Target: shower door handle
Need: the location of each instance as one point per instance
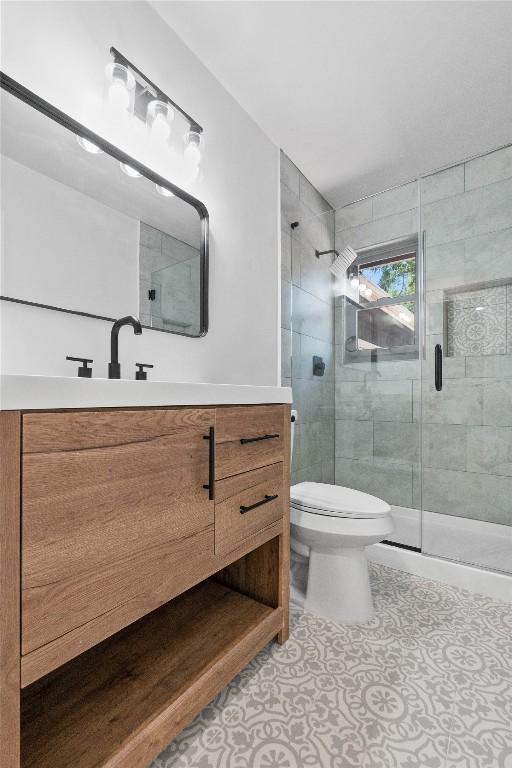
(438, 367)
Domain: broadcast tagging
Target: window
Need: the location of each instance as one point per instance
(381, 311)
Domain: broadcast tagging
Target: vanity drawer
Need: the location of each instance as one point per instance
(247, 504)
(249, 437)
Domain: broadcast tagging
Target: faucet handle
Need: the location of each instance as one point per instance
(83, 371)
(141, 374)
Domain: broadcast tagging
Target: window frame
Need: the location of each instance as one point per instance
(373, 256)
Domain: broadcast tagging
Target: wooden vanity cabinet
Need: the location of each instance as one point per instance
(146, 564)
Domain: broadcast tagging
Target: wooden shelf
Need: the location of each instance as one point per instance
(120, 703)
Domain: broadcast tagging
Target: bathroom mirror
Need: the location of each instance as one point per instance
(95, 233)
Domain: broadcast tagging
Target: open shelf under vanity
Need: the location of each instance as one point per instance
(109, 705)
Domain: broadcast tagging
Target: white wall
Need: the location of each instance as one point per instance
(59, 50)
(64, 248)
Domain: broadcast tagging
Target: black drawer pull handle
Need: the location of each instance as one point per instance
(211, 464)
(266, 500)
(245, 440)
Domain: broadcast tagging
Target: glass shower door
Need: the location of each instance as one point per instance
(466, 392)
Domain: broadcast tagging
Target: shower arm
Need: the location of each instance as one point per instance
(323, 253)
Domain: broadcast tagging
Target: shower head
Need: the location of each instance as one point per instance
(342, 261)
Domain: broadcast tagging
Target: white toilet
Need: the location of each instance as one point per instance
(333, 525)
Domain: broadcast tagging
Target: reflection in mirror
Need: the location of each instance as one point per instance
(83, 232)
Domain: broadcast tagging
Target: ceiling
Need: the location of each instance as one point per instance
(361, 95)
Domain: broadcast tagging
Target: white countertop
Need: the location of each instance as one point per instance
(19, 392)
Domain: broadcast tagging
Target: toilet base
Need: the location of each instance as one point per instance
(339, 585)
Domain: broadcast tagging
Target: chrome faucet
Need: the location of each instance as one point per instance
(114, 368)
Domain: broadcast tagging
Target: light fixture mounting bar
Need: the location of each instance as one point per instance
(120, 59)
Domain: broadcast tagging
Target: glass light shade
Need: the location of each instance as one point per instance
(354, 282)
(121, 87)
(129, 171)
(159, 117)
(164, 191)
(192, 151)
(89, 146)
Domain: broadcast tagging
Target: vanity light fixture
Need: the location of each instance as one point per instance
(164, 191)
(121, 89)
(159, 117)
(192, 151)
(129, 171)
(89, 146)
(152, 106)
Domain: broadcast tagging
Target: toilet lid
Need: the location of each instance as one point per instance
(336, 500)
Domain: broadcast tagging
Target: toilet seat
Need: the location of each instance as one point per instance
(336, 501)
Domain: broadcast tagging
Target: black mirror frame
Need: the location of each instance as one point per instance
(35, 101)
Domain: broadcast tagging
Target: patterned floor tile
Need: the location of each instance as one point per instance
(427, 683)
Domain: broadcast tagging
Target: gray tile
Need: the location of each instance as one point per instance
(442, 184)
(286, 304)
(488, 257)
(292, 209)
(328, 472)
(374, 400)
(314, 400)
(339, 324)
(150, 237)
(390, 370)
(289, 173)
(312, 197)
(304, 348)
(396, 200)
(445, 265)
(354, 439)
(391, 400)
(286, 257)
(459, 402)
(349, 371)
(467, 494)
(353, 401)
(435, 311)
(396, 441)
(296, 248)
(490, 450)
(492, 366)
(286, 353)
(354, 214)
(379, 231)
(489, 168)
(497, 402)
(312, 316)
(444, 446)
(474, 213)
(389, 481)
(313, 443)
(315, 276)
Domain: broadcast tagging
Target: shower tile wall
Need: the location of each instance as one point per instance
(377, 426)
(448, 453)
(307, 322)
(467, 432)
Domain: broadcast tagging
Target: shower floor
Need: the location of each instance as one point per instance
(426, 684)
